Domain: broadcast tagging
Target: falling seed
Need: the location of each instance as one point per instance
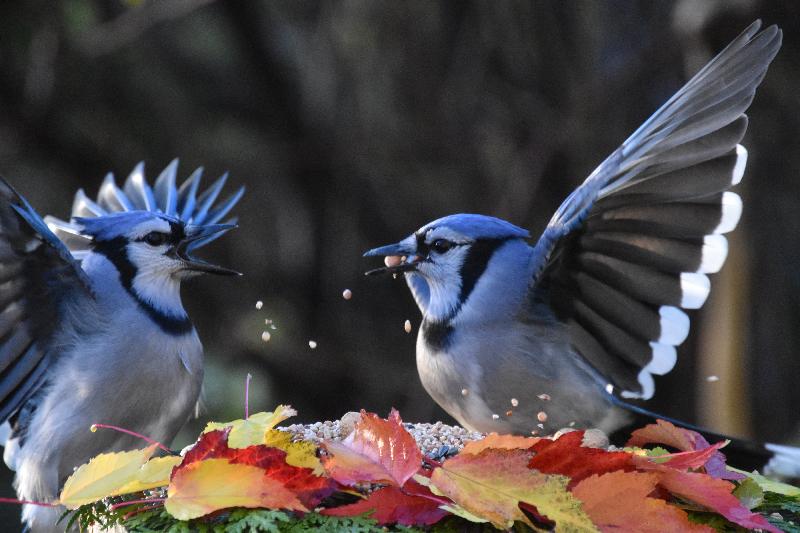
(712, 379)
(273, 327)
(509, 412)
(610, 388)
(572, 424)
(407, 326)
(541, 416)
(545, 397)
(312, 344)
(265, 336)
(464, 392)
(534, 432)
(514, 402)
(347, 294)
(540, 426)
(495, 416)
(259, 304)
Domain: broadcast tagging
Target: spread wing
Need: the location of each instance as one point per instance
(38, 280)
(631, 247)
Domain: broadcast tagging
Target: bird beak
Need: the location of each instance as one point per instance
(399, 257)
(197, 233)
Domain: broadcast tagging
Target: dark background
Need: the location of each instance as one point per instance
(354, 123)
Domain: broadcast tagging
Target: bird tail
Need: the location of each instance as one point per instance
(768, 459)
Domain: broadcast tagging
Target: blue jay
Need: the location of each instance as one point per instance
(92, 327)
(518, 338)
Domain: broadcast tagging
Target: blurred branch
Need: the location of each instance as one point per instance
(110, 36)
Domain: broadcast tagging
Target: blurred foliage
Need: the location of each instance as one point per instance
(352, 123)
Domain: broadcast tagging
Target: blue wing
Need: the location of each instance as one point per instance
(632, 245)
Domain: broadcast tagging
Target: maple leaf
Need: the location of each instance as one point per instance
(392, 505)
(492, 484)
(103, 476)
(663, 432)
(566, 456)
(377, 451)
(206, 486)
(250, 431)
(505, 442)
(711, 492)
(309, 487)
(618, 501)
(692, 459)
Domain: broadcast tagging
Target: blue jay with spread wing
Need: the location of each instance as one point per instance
(589, 314)
(92, 328)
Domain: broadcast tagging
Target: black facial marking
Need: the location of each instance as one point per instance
(114, 249)
(475, 263)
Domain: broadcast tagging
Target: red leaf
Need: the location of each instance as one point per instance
(618, 501)
(713, 493)
(309, 488)
(692, 459)
(376, 451)
(566, 456)
(663, 432)
(392, 505)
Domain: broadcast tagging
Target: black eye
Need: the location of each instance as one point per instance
(440, 246)
(156, 238)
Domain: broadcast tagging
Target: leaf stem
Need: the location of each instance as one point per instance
(247, 395)
(94, 427)
(116, 506)
(27, 502)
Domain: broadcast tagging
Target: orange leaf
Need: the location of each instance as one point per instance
(206, 486)
(377, 451)
(492, 484)
(618, 501)
(505, 442)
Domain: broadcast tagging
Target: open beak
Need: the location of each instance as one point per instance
(399, 257)
(197, 233)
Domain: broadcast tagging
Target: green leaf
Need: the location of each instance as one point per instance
(768, 485)
(749, 493)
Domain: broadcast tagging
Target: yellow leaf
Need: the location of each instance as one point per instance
(301, 453)
(206, 486)
(154, 473)
(251, 431)
(491, 485)
(103, 476)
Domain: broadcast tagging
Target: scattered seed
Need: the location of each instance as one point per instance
(265, 336)
(534, 432)
(509, 412)
(514, 402)
(572, 424)
(312, 344)
(540, 426)
(541, 416)
(347, 294)
(610, 388)
(259, 304)
(712, 379)
(545, 397)
(464, 392)
(407, 326)
(495, 416)
(272, 327)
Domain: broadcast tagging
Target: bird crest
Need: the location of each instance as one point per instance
(185, 203)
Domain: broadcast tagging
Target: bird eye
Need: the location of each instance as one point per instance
(440, 246)
(156, 238)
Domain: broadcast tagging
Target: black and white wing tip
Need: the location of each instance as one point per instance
(185, 202)
(632, 247)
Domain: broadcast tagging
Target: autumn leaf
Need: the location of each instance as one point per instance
(250, 431)
(301, 453)
(103, 476)
(770, 485)
(154, 473)
(492, 484)
(663, 432)
(377, 451)
(566, 456)
(692, 459)
(618, 501)
(714, 493)
(392, 505)
(206, 486)
(504, 442)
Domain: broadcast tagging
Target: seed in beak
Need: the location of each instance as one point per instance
(392, 260)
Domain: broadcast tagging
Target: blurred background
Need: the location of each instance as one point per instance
(353, 123)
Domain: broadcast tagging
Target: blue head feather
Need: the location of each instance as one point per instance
(108, 227)
(478, 227)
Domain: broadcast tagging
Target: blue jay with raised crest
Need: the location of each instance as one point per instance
(92, 328)
(518, 339)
